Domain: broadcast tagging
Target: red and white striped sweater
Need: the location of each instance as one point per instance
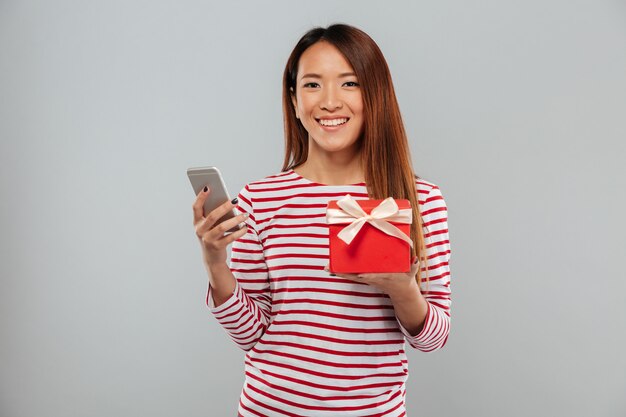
(319, 345)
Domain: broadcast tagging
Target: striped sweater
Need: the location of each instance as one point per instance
(318, 345)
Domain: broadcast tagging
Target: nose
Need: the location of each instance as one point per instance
(331, 99)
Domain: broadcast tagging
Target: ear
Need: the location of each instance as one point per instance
(294, 102)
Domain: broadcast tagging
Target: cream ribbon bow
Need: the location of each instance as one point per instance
(387, 211)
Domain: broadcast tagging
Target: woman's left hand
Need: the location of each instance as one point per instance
(395, 285)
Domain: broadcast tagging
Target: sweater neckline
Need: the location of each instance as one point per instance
(308, 181)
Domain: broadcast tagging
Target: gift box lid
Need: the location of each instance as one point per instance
(368, 205)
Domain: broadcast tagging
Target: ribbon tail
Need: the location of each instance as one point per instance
(391, 230)
(348, 233)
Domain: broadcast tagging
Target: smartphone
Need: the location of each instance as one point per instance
(211, 177)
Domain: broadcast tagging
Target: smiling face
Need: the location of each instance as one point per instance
(328, 100)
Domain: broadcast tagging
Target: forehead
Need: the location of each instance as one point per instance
(323, 58)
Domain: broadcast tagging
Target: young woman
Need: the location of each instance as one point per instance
(320, 344)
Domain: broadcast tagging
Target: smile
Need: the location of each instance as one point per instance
(333, 122)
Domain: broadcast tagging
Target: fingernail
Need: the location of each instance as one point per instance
(206, 189)
(234, 200)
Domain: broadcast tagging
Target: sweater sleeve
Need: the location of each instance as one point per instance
(245, 314)
(436, 290)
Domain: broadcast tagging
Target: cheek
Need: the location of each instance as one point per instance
(358, 110)
(357, 106)
(305, 106)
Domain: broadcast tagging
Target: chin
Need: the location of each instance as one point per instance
(337, 147)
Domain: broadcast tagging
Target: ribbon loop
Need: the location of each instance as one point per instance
(380, 217)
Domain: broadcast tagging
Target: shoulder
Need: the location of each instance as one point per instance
(426, 190)
(271, 186)
(261, 190)
(272, 182)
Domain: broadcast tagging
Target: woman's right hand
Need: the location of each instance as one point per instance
(211, 236)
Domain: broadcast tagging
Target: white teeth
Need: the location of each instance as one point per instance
(333, 122)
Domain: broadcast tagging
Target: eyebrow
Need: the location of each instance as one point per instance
(342, 75)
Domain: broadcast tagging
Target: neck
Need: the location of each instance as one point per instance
(332, 168)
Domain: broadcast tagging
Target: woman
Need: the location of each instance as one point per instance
(320, 344)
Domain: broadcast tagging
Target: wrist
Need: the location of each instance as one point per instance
(221, 281)
(217, 268)
(410, 293)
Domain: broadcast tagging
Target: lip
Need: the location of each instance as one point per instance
(336, 116)
(331, 128)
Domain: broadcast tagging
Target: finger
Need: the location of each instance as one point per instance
(212, 240)
(353, 277)
(221, 228)
(367, 276)
(219, 212)
(228, 239)
(208, 231)
(198, 211)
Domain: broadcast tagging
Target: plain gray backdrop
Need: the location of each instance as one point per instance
(516, 109)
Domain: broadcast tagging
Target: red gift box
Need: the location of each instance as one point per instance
(370, 249)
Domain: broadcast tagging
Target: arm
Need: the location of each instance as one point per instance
(238, 296)
(411, 308)
(433, 301)
(423, 315)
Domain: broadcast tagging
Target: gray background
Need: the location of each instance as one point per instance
(516, 109)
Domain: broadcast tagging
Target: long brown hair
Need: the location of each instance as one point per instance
(384, 146)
